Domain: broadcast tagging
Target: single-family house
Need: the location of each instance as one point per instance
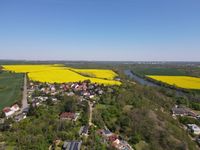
(112, 138)
(53, 89)
(194, 128)
(26, 110)
(121, 145)
(15, 108)
(198, 117)
(182, 111)
(105, 133)
(179, 111)
(72, 145)
(84, 130)
(70, 94)
(8, 112)
(69, 116)
(2, 120)
(100, 92)
(20, 117)
(91, 96)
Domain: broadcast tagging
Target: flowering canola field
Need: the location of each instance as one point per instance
(61, 74)
(97, 73)
(179, 81)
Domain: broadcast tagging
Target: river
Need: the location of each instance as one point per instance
(138, 79)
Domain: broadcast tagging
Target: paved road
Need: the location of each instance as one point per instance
(24, 96)
(90, 115)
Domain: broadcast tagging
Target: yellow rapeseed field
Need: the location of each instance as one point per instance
(98, 73)
(179, 81)
(61, 74)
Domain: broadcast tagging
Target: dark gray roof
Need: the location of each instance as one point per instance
(179, 111)
(72, 145)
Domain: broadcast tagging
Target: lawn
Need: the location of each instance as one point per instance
(141, 145)
(10, 88)
(101, 106)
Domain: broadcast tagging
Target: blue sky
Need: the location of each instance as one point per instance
(125, 30)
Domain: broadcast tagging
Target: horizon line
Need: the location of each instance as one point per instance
(61, 60)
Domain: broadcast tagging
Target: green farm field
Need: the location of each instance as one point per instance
(10, 88)
(166, 70)
(160, 71)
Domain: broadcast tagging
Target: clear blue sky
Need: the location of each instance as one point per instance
(100, 30)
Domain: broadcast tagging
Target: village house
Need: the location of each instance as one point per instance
(198, 117)
(26, 110)
(69, 116)
(72, 145)
(43, 89)
(117, 79)
(53, 89)
(9, 111)
(179, 112)
(54, 99)
(121, 145)
(81, 98)
(84, 130)
(84, 87)
(198, 140)
(105, 133)
(100, 92)
(91, 96)
(20, 117)
(85, 93)
(2, 120)
(15, 108)
(70, 94)
(182, 111)
(36, 101)
(109, 136)
(193, 128)
(114, 140)
(65, 87)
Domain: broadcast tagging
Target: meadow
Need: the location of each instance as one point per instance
(185, 82)
(10, 88)
(60, 74)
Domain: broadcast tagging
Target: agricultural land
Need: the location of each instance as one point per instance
(66, 106)
(10, 88)
(61, 74)
(179, 81)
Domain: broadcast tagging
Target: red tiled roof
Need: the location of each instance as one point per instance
(6, 109)
(112, 138)
(67, 115)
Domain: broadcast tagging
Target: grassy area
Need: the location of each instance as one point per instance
(142, 145)
(10, 88)
(101, 106)
(41, 128)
